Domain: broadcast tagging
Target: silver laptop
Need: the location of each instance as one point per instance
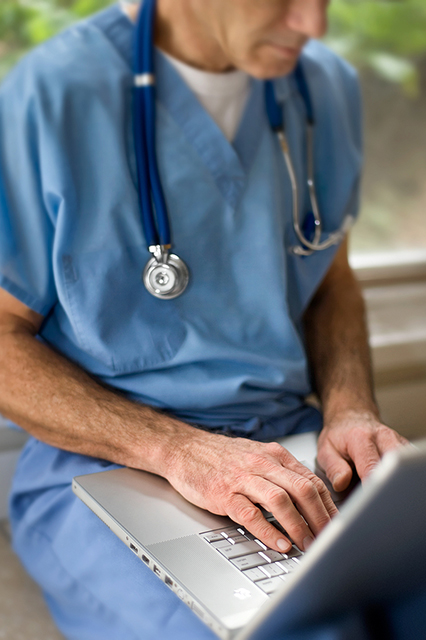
(244, 591)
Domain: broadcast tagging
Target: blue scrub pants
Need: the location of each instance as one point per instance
(96, 588)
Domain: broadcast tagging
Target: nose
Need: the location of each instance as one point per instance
(307, 17)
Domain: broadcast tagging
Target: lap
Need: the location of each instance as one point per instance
(97, 589)
(94, 586)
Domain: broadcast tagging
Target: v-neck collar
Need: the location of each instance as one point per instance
(251, 126)
(219, 156)
(229, 164)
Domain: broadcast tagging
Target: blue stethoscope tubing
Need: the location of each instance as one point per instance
(156, 228)
(166, 275)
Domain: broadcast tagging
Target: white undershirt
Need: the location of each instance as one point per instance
(223, 95)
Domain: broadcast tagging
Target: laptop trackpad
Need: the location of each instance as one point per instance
(147, 506)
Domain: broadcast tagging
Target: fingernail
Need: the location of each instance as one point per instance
(284, 545)
(336, 479)
(307, 542)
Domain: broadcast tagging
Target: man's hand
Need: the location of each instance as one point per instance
(60, 404)
(231, 476)
(354, 440)
(337, 342)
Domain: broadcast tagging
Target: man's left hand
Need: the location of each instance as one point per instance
(353, 440)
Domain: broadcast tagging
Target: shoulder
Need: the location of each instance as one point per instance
(332, 80)
(81, 59)
(321, 60)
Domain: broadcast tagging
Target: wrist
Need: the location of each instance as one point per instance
(185, 443)
(337, 415)
(142, 437)
(165, 444)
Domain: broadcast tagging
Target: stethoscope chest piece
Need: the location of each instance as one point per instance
(166, 277)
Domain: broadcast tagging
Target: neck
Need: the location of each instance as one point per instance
(185, 30)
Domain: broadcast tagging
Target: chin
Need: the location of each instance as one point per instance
(267, 70)
(266, 62)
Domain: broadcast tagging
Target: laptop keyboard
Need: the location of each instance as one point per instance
(267, 568)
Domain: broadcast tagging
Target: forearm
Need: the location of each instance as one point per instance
(337, 344)
(338, 350)
(60, 404)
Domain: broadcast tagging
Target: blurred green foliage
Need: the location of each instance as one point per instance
(388, 36)
(26, 23)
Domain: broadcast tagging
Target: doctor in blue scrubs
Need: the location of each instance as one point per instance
(193, 388)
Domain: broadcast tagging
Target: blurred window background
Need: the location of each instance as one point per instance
(386, 41)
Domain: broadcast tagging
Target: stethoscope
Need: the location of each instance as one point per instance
(166, 275)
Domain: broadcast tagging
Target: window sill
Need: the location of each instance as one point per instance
(386, 269)
(396, 319)
(394, 287)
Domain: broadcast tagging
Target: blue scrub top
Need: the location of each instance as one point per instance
(229, 353)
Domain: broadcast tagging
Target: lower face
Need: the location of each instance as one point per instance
(271, 59)
(265, 37)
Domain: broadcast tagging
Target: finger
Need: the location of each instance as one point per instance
(294, 519)
(338, 470)
(324, 494)
(241, 510)
(288, 461)
(364, 454)
(388, 439)
(303, 491)
(322, 490)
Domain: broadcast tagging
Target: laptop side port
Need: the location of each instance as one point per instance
(168, 581)
(145, 559)
(198, 610)
(134, 548)
(157, 570)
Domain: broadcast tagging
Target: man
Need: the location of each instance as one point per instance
(98, 370)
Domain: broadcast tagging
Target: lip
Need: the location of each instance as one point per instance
(289, 53)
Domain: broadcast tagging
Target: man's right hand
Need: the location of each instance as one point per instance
(62, 405)
(232, 476)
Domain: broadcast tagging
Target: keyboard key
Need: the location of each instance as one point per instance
(248, 535)
(271, 556)
(271, 570)
(230, 533)
(293, 553)
(254, 574)
(237, 539)
(288, 565)
(270, 584)
(248, 562)
(285, 577)
(261, 545)
(220, 544)
(236, 550)
(213, 536)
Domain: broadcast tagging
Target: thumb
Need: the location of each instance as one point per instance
(338, 470)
